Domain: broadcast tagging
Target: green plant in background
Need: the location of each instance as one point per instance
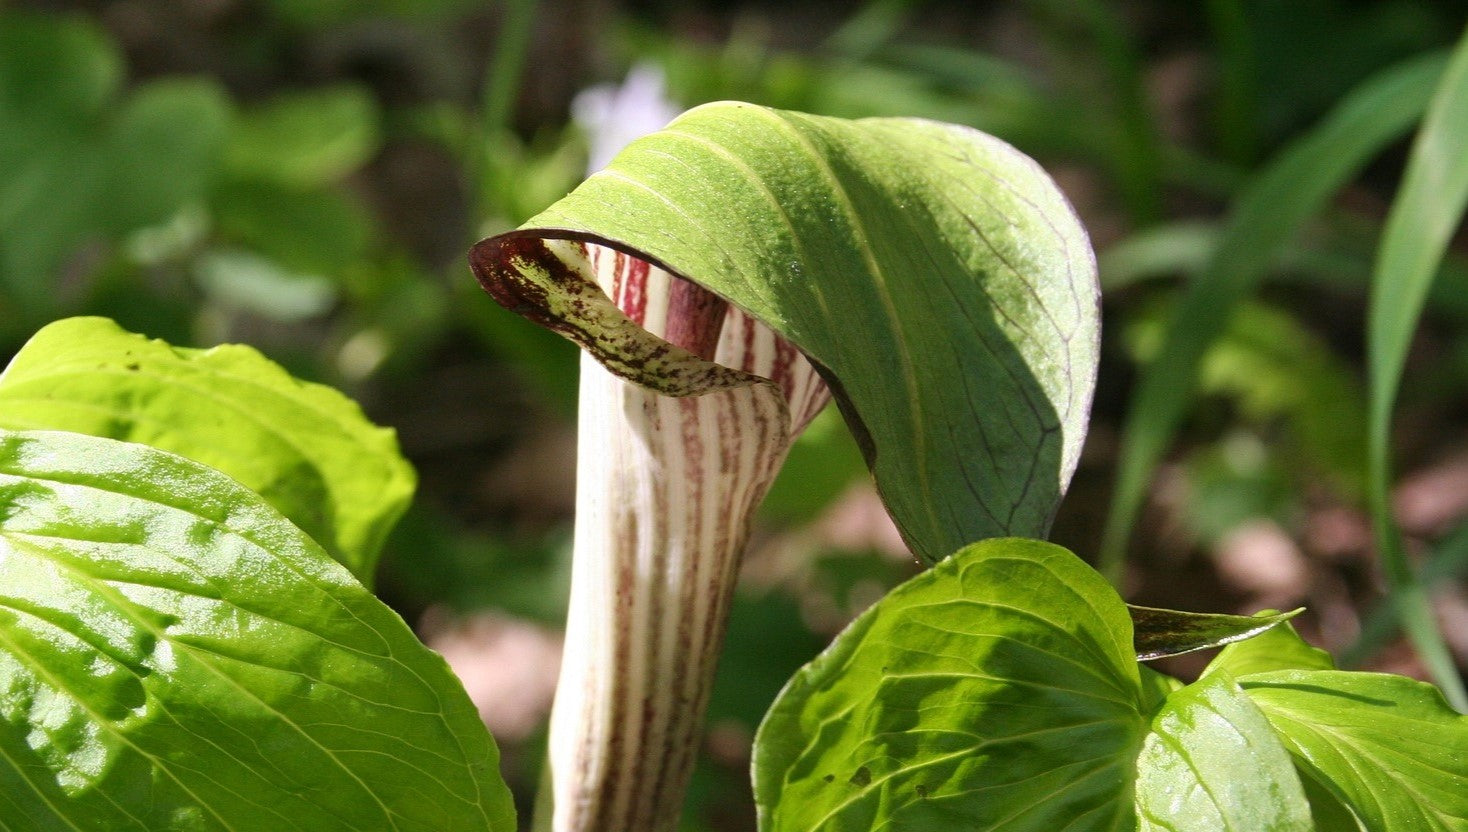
(1265, 216)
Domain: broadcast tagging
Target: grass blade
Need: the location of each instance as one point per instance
(1265, 218)
(1423, 218)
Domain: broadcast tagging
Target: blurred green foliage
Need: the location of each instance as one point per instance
(308, 178)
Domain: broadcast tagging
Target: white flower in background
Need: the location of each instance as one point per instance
(613, 116)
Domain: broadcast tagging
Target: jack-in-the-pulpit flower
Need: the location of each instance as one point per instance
(666, 486)
(934, 275)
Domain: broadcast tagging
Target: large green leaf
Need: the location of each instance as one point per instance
(307, 449)
(1424, 217)
(1388, 747)
(175, 655)
(1189, 772)
(935, 275)
(996, 690)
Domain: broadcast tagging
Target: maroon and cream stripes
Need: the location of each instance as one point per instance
(666, 488)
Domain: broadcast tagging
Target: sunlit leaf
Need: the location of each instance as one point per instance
(934, 274)
(996, 690)
(305, 448)
(1211, 761)
(1387, 746)
(175, 655)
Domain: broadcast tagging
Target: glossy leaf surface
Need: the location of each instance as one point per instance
(1212, 762)
(307, 449)
(934, 274)
(1387, 746)
(1161, 633)
(175, 655)
(996, 690)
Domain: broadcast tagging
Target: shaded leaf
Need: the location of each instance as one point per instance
(997, 689)
(61, 70)
(305, 448)
(175, 655)
(934, 274)
(1155, 688)
(80, 167)
(1170, 632)
(1387, 746)
(1212, 762)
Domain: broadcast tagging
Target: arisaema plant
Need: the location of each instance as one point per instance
(187, 641)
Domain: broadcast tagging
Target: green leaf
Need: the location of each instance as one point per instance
(78, 166)
(1272, 366)
(934, 274)
(163, 151)
(306, 139)
(1277, 648)
(1328, 812)
(1170, 632)
(1264, 218)
(175, 655)
(997, 689)
(1212, 762)
(1390, 748)
(305, 448)
(310, 232)
(57, 69)
(1426, 213)
(1155, 688)
(823, 463)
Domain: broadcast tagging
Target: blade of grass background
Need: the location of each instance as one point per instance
(1236, 111)
(872, 27)
(502, 81)
(1449, 559)
(1138, 153)
(501, 88)
(1265, 217)
(1426, 212)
